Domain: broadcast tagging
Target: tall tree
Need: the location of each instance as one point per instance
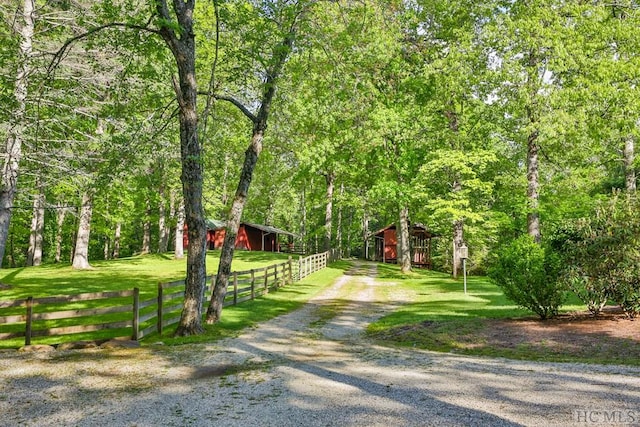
(176, 28)
(12, 149)
(288, 20)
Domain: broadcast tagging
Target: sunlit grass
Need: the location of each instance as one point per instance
(286, 299)
(144, 272)
(441, 317)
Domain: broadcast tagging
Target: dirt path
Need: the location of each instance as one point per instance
(311, 367)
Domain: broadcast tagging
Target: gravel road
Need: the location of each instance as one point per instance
(307, 368)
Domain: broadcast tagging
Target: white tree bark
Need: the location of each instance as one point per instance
(81, 254)
(34, 253)
(62, 212)
(404, 242)
(328, 216)
(146, 227)
(533, 185)
(339, 225)
(116, 240)
(179, 248)
(163, 242)
(12, 150)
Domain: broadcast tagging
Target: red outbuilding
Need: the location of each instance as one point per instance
(251, 237)
(386, 245)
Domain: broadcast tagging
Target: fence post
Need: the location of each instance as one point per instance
(27, 332)
(253, 284)
(290, 270)
(235, 288)
(266, 280)
(159, 317)
(300, 276)
(136, 314)
(275, 275)
(284, 274)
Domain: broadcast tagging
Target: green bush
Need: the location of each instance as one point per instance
(601, 254)
(528, 276)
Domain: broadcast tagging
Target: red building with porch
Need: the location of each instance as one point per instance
(386, 245)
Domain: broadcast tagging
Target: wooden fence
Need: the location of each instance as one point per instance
(311, 264)
(40, 311)
(146, 316)
(243, 286)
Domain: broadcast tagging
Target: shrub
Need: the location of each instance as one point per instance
(602, 256)
(528, 276)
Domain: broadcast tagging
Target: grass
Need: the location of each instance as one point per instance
(145, 272)
(440, 317)
(248, 314)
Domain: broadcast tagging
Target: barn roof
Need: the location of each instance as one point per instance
(214, 224)
(269, 229)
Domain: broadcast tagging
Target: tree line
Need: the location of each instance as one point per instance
(483, 120)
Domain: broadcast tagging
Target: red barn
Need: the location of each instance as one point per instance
(386, 245)
(251, 237)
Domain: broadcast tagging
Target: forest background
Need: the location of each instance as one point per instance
(482, 120)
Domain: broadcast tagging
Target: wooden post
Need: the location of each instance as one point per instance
(235, 288)
(275, 275)
(290, 270)
(253, 284)
(266, 280)
(159, 317)
(27, 333)
(300, 276)
(136, 314)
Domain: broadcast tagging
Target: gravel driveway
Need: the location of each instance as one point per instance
(303, 369)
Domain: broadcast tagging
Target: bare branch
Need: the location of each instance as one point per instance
(61, 53)
(238, 104)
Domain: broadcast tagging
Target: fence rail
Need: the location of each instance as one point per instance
(37, 323)
(40, 317)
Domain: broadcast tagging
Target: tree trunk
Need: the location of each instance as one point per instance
(629, 170)
(214, 311)
(12, 152)
(339, 225)
(458, 223)
(146, 229)
(281, 52)
(182, 45)
(533, 215)
(458, 239)
(303, 225)
(116, 240)
(179, 243)
(404, 242)
(81, 254)
(34, 253)
(225, 179)
(365, 233)
(61, 213)
(163, 241)
(328, 215)
(106, 250)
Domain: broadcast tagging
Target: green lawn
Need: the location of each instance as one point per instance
(286, 299)
(145, 272)
(440, 317)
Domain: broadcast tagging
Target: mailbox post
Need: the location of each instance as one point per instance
(463, 253)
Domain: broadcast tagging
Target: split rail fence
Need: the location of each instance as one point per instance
(64, 315)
